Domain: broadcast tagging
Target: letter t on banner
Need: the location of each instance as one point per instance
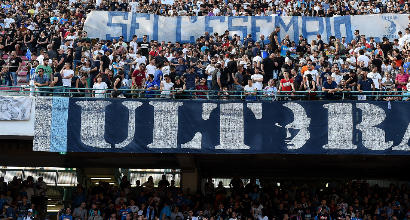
(231, 127)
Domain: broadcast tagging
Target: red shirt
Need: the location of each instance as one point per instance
(286, 84)
(201, 95)
(153, 53)
(402, 78)
(139, 76)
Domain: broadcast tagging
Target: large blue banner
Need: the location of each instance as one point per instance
(221, 127)
(108, 25)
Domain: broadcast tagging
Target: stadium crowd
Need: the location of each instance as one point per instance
(264, 201)
(63, 58)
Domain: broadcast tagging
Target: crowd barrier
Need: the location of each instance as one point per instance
(201, 94)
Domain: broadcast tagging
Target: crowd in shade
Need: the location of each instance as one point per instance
(262, 200)
(43, 45)
(23, 199)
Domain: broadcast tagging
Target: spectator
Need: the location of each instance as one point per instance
(401, 80)
(118, 85)
(65, 215)
(22, 208)
(95, 215)
(166, 87)
(366, 85)
(99, 88)
(330, 88)
(270, 91)
(80, 213)
(250, 91)
(81, 86)
(286, 84)
(14, 68)
(41, 80)
(202, 87)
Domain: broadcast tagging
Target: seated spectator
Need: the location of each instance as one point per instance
(330, 89)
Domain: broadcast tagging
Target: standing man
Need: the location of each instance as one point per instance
(14, 67)
(67, 74)
(365, 84)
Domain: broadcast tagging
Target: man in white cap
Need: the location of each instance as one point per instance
(29, 215)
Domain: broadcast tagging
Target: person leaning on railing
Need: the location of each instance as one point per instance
(99, 87)
(166, 87)
(81, 86)
(330, 89)
(138, 80)
(365, 85)
(286, 86)
(41, 80)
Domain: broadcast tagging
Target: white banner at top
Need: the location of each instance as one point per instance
(107, 25)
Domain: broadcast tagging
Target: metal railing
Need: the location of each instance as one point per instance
(204, 94)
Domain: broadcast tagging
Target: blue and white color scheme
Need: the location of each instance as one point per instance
(107, 25)
(221, 127)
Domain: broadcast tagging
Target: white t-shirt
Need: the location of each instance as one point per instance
(67, 82)
(140, 60)
(365, 59)
(338, 78)
(210, 69)
(167, 87)
(134, 6)
(257, 59)
(40, 60)
(375, 77)
(166, 70)
(248, 88)
(314, 74)
(351, 61)
(134, 46)
(257, 85)
(150, 69)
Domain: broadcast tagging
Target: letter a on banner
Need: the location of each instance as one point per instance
(404, 145)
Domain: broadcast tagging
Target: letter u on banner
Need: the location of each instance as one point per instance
(93, 123)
